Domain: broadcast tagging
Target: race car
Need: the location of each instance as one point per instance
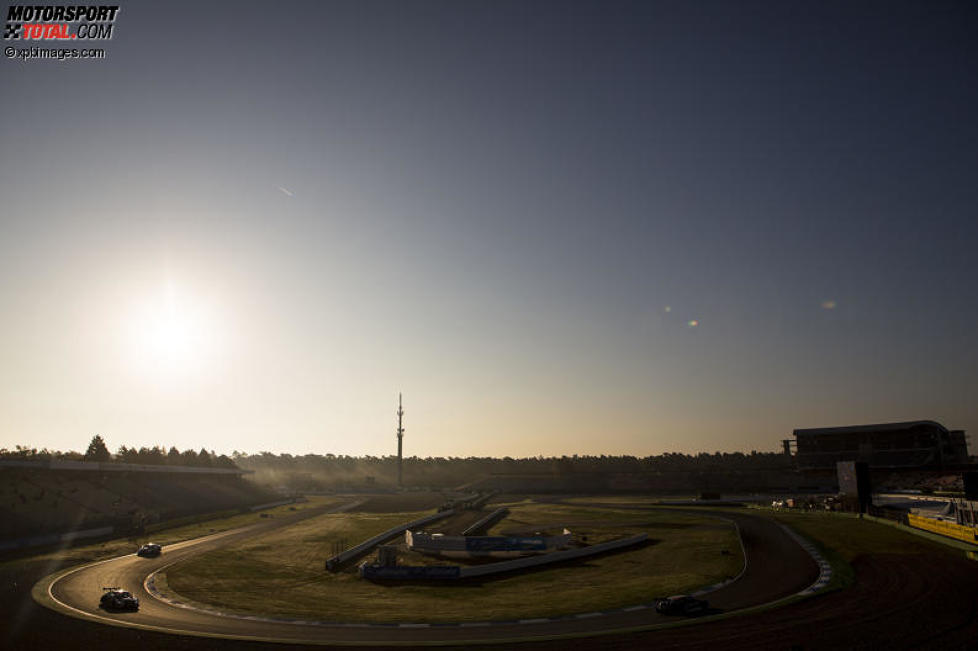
(117, 599)
(150, 550)
(681, 604)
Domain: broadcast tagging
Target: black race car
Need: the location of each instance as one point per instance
(116, 599)
(150, 550)
(681, 604)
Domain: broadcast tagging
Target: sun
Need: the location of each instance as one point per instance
(172, 334)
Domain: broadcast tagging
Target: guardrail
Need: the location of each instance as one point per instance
(334, 563)
(485, 522)
(481, 499)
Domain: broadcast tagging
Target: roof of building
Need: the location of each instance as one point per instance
(879, 427)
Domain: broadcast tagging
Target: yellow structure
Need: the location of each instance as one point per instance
(949, 529)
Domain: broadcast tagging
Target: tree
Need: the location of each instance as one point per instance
(97, 450)
(127, 455)
(154, 456)
(203, 458)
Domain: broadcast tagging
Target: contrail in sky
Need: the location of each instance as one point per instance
(285, 191)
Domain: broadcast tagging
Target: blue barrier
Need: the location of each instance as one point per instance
(504, 543)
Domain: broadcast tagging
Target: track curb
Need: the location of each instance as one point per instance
(824, 567)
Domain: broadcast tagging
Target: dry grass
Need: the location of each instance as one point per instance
(282, 573)
(843, 539)
(402, 502)
(118, 546)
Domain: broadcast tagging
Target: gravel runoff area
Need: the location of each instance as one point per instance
(899, 601)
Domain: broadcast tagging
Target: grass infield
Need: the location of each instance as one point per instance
(281, 573)
(67, 555)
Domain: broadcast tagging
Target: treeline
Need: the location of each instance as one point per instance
(314, 471)
(98, 451)
(321, 471)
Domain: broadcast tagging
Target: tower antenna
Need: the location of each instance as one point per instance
(400, 438)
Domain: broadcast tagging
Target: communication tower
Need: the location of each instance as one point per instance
(400, 438)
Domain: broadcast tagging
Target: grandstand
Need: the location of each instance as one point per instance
(653, 481)
(37, 499)
(484, 546)
(915, 444)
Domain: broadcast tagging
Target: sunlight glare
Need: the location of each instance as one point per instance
(172, 335)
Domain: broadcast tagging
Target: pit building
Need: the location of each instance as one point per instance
(920, 444)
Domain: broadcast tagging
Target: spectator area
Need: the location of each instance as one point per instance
(45, 501)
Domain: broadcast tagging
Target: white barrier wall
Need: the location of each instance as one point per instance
(498, 513)
(553, 557)
(363, 547)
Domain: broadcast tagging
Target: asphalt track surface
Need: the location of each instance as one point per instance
(776, 568)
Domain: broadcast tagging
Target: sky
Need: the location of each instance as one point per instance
(557, 228)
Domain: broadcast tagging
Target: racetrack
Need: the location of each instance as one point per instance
(777, 567)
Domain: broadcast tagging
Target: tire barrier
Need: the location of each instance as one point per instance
(334, 563)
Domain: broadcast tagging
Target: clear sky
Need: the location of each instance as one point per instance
(558, 228)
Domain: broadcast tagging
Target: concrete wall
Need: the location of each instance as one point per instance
(449, 572)
(554, 557)
(485, 522)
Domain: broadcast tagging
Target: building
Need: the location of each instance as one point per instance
(921, 444)
(478, 546)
